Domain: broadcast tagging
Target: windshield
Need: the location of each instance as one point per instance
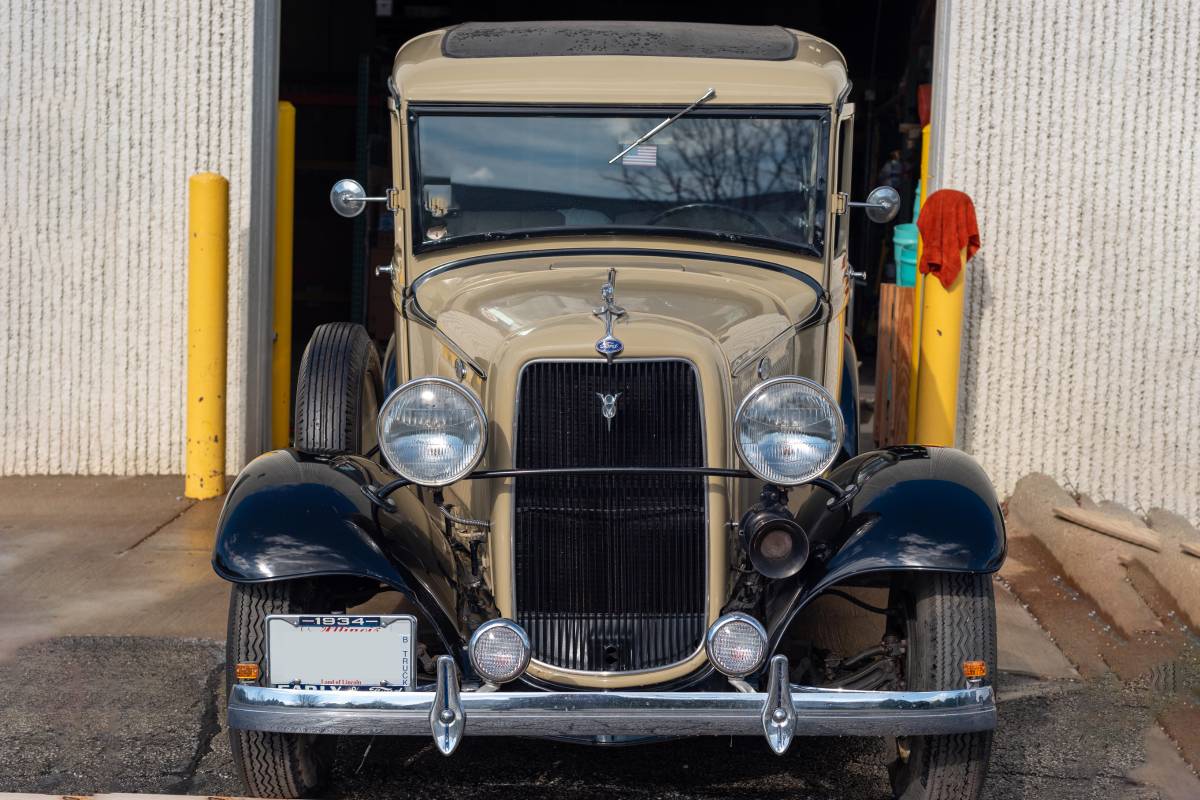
(759, 177)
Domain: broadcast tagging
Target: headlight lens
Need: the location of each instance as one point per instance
(788, 430)
(736, 644)
(432, 431)
(499, 650)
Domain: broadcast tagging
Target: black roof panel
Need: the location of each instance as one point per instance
(672, 39)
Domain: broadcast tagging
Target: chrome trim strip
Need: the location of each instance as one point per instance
(413, 311)
(818, 712)
(821, 313)
(512, 516)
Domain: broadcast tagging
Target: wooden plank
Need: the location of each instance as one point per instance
(1112, 526)
(892, 360)
(883, 366)
(903, 315)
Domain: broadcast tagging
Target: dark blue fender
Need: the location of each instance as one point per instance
(848, 401)
(290, 515)
(912, 508)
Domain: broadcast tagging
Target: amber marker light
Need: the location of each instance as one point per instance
(973, 670)
(246, 671)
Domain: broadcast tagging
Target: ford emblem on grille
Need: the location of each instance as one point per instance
(608, 405)
(609, 346)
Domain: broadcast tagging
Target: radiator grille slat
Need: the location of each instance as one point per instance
(610, 569)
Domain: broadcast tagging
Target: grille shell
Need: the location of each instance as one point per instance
(610, 571)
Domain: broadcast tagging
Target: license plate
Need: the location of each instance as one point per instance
(366, 653)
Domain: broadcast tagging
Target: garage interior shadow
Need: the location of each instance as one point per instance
(334, 63)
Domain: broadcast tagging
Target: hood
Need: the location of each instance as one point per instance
(483, 304)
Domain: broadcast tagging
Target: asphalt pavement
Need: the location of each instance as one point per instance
(144, 714)
(141, 707)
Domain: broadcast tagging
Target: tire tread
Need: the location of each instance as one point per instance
(338, 358)
(955, 621)
(269, 764)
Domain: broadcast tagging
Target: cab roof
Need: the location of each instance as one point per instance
(586, 63)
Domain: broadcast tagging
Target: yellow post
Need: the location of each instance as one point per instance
(918, 295)
(208, 300)
(281, 348)
(941, 346)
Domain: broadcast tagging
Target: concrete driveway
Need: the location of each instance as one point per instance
(112, 663)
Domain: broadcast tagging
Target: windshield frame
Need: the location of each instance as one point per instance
(822, 114)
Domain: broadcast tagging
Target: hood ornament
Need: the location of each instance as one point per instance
(609, 346)
(608, 407)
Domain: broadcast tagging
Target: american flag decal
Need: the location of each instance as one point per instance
(644, 155)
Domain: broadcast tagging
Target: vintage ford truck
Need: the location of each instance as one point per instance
(608, 468)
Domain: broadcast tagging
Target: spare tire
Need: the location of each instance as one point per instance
(338, 391)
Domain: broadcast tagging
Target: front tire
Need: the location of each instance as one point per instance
(273, 764)
(951, 619)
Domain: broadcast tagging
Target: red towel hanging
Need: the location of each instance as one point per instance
(947, 225)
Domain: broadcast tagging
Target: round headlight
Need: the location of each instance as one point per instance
(432, 431)
(788, 430)
(736, 644)
(499, 650)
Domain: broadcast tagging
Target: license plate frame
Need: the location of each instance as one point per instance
(341, 652)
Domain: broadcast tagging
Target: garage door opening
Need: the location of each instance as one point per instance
(334, 64)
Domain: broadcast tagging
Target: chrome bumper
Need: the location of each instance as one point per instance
(780, 713)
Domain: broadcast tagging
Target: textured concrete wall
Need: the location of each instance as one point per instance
(105, 109)
(1074, 128)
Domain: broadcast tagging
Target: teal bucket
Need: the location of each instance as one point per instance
(905, 238)
(906, 269)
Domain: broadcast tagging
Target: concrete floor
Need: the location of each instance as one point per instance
(111, 622)
(113, 556)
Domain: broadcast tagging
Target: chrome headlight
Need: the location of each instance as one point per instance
(736, 644)
(432, 431)
(788, 430)
(499, 650)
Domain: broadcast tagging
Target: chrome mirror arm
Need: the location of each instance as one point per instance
(882, 204)
(349, 198)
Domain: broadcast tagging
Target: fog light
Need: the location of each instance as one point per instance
(499, 650)
(736, 644)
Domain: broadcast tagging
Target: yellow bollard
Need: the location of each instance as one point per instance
(918, 294)
(281, 348)
(208, 300)
(941, 348)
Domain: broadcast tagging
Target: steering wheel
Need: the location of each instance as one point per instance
(754, 227)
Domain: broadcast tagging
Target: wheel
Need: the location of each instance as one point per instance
(951, 619)
(273, 764)
(338, 391)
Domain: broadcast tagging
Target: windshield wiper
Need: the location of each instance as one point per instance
(709, 95)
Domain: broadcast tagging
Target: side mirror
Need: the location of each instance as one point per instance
(348, 197)
(882, 204)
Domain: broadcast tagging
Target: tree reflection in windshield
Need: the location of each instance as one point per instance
(496, 175)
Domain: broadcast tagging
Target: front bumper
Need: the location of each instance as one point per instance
(779, 713)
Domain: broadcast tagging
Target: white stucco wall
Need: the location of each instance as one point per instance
(1075, 127)
(105, 109)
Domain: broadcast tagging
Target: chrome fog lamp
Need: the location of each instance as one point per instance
(788, 430)
(432, 431)
(736, 644)
(499, 650)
